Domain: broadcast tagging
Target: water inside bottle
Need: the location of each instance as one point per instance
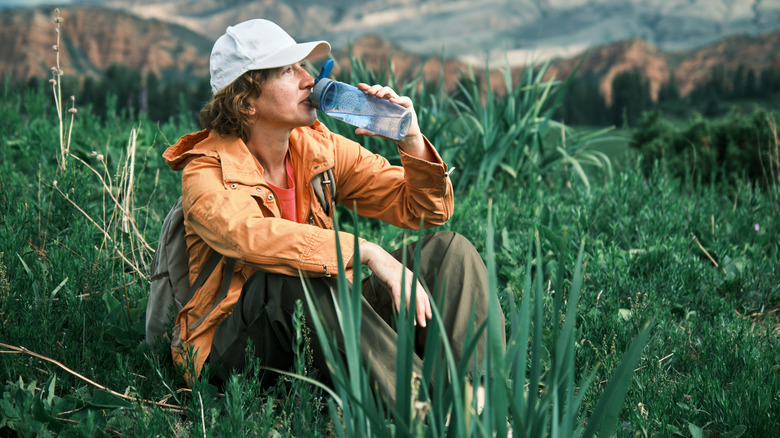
(340, 99)
(394, 127)
(351, 105)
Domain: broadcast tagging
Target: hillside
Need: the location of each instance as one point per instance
(94, 39)
(690, 68)
(470, 29)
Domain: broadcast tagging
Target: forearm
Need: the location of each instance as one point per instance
(417, 147)
(399, 195)
(397, 280)
(233, 224)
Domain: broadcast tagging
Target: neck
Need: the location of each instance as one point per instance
(270, 149)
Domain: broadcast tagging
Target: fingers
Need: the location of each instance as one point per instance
(395, 278)
(423, 307)
(386, 92)
(428, 311)
(366, 132)
(422, 304)
(378, 90)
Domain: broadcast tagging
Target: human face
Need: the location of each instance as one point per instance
(284, 99)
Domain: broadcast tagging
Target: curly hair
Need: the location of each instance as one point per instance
(226, 113)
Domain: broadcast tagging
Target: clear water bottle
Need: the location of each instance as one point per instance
(347, 103)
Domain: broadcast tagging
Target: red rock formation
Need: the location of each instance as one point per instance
(91, 40)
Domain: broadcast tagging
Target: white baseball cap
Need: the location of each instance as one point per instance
(255, 45)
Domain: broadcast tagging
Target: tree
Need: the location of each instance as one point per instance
(739, 89)
(583, 103)
(768, 82)
(669, 91)
(751, 88)
(125, 83)
(630, 96)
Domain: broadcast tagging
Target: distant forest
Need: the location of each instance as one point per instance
(125, 90)
(583, 103)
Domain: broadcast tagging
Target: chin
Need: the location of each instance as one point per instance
(310, 121)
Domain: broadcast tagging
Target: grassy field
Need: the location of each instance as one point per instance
(700, 262)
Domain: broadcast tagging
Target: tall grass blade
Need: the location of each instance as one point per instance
(605, 415)
(536, 340)
(495, 382)
(565, 348)
(405, 354)
(517, 352)
(456, 389)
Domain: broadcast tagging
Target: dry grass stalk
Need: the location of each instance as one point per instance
(127, 186)
(202, 416)
(128, 174)
(774, 164)
(123, 206)
(56, 84)
(701, 247)
(121, 195)
(10, 349)
(105, 233)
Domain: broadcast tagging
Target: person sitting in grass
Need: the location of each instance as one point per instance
(248, 194)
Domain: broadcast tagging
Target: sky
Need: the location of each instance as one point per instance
(14, 3)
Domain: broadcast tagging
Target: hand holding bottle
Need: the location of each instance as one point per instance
(376, 110)
(412, 143)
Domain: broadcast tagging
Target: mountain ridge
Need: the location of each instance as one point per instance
(94, 39)
(470, 29)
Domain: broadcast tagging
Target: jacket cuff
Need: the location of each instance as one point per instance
(321, 254)
(422, 174)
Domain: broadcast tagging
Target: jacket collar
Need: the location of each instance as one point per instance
(310, 149)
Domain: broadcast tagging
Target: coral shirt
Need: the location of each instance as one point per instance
(287, 196)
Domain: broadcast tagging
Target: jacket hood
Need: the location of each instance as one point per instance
(190, 146)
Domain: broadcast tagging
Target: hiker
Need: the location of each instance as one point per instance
(248, 193)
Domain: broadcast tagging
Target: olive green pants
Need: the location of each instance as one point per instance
(264, 314)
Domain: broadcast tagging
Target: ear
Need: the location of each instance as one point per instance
(249, 110)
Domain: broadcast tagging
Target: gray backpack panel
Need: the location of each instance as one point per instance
(169, 285)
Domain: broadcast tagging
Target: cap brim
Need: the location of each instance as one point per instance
(290, 55)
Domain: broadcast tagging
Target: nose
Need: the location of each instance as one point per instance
(306, 78)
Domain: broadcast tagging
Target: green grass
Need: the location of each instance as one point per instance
(711, 366)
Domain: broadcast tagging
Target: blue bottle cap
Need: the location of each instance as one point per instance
(317, 92)
(325, 72)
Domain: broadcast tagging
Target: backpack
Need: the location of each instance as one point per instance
(169, 285)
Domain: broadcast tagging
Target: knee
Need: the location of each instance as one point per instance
(450, 242)
(461, 245)
(452, 253)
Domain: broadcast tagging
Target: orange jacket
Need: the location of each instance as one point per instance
(230, 208)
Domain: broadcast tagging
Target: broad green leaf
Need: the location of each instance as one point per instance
(696, 431)
(735, 433)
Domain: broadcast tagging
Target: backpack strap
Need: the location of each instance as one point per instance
(208, 268)
(227, 278)
(324, 185)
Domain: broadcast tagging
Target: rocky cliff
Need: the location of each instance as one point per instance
(473, 28)
(690, 68)
(93, 39)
